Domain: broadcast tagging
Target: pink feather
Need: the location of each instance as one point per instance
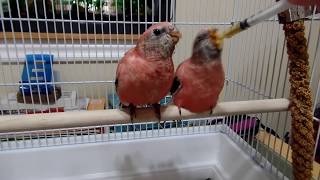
(201, 85)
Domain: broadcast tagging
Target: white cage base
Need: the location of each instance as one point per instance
(206, 156)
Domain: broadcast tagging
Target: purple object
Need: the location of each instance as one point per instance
(245, 124)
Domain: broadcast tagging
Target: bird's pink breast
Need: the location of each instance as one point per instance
(201, 86)
(144, 82)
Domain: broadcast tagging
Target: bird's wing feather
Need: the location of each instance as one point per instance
(176, 84)
(120, 69)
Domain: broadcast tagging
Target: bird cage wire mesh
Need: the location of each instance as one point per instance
(84, 40)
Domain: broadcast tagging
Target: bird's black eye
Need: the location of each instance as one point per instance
(157, 32)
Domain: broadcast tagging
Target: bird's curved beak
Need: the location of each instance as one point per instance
(215, 38)
(176, 35)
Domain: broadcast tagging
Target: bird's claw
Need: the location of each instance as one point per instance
(132, 111)
(180, 117)
(157, 111)
(179, 112)
(211, 111)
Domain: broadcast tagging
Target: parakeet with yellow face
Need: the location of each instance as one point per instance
(200, 78)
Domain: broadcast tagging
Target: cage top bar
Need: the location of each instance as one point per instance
(16, 123)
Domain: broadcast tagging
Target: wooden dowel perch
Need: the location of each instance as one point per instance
(30, 122)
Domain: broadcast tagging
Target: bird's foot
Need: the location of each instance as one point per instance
(157, 111)
(211, 111)
(132, 110)
(180, 118)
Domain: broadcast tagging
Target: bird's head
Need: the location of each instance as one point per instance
(207, 45)
(158, 41)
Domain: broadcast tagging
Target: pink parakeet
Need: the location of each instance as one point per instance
(146, 72)
(200, 78)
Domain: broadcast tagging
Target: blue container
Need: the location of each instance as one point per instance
(37, 69)
(113, 101)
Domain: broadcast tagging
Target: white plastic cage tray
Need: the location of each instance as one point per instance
(208, 156)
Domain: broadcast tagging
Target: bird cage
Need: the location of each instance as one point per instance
(60, 115)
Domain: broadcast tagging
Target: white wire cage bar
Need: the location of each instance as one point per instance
(87, 38)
